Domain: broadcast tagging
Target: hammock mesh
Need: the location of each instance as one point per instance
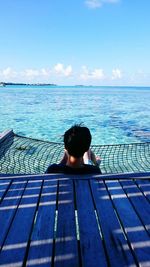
(22, 155)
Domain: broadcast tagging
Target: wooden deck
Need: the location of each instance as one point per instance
(55, 220)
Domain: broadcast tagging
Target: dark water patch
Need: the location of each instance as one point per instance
(6, 114)
(85, 116)
(20, 120)
(29, 112)
(32, 103)
(129, 127)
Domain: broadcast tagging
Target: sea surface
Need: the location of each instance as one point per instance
(115, 115)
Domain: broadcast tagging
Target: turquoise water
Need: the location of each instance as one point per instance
(113, 114)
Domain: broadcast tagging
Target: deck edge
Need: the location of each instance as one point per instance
(6, 134)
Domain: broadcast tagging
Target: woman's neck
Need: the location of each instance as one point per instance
(75, 162)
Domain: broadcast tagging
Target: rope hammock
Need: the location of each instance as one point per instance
(22, 155)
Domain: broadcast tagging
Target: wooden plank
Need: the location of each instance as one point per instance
(139, 201)
(135, 232)
(66, 250)
(145, 187)
(14, 248)
(8, 208)
(5, 134)
(58, 176)
(4, 185)
(111, 230)
(91, 245)
(41, 246)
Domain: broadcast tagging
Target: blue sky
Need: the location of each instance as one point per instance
(67, 42)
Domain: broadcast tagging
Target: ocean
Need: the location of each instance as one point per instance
(115, 115)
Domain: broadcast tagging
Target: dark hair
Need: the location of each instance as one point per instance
(77, 140)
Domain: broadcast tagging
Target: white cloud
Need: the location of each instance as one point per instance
(31, 73)
(99, 3)
(59, 75)
(140, 77)
(35, 74)
(7, 73)
(85, 73)
(68, 71)
(61, 70)
(96, 74)
(45, 72)
(116, 74)
(93, 3)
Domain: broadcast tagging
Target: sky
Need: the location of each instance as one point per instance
(74, 42)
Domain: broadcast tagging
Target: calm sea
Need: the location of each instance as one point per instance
(113, 114)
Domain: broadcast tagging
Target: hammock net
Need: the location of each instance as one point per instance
(22, 155)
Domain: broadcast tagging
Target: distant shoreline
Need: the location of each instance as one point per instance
(3, 84)
(37, 84)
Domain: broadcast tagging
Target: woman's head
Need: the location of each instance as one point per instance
(77, 140)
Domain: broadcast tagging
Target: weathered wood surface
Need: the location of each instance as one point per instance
(126, 176)
(5, 135)
(63, 222)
